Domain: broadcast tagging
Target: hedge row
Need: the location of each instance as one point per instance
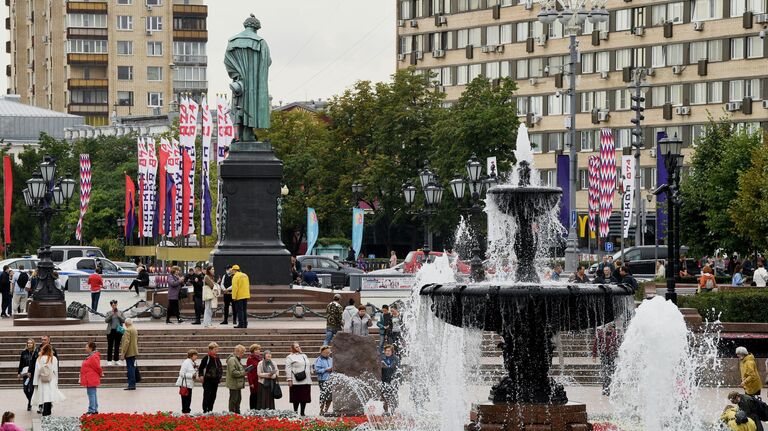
(747, 305)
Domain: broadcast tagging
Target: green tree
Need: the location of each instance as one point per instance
(721, 154)
(749, 211)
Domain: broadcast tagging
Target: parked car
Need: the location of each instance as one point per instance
(325, 265)
(61, 253)
(395, 270)
(642, 260)
(415, 259)
(128, 266)
(87, 265)
(29, 263)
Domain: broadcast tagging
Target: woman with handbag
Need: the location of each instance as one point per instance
(298, 375)
(186, 380)
(46, 380)
(252, 365)
(269, 389)
(211, 291)
(115, 331)
(175, 283)
(211, 372)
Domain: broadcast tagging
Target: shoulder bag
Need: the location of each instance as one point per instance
(277, 391)
(137, 373)
(303, 373)
(183, 389)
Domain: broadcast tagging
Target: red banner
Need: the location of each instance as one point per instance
(161, 177)
(8, 198)
(186, 193)
(130, 204)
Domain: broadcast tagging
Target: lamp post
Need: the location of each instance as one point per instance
(433, 195)
(572, 14)
(477, 183)
(357, 193)
(45, 195)
(121, 228)
(638, 105)
(673, 161)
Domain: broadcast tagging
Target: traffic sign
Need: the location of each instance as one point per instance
(609, 246)
(573, 218)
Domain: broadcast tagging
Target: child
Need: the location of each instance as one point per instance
(7, 424)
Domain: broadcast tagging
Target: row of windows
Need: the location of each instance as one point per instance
(153, 23)
(154, 49)
(189, 73)
(86, 46)
(87, 20)
(154, 99)
(146, 2)
(701, 10)
(154, 73)
(189, 48)
(699, 93)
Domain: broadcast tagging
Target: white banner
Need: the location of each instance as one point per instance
(189, 146)
(628, 176)
(174, 168)
(383, 282)
(149, 204)
(226, 131)
(205, 191)
(144, 230)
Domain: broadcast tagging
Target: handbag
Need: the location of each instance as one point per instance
(183, 293)
(137, 373)
(301, 375)
(120, 329)
(277, 392)
(183, 389)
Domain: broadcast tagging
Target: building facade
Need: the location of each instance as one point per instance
(705, 57)
(108, 58)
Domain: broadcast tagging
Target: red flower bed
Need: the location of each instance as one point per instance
(164, 421)
(604, 426)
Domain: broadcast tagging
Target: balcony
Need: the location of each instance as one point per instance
(190, 59)
(190, 10)
(190, 85)
(86, 7)
(87, 58)
(88, 108)
(193, 35)
(87, 33)
(87, 83)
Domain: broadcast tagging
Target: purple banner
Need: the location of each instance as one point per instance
(564, 183)
(661, 178)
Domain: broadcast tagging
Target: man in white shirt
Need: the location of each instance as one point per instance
(760, 277)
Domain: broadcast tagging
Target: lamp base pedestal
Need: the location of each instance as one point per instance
(42, 313)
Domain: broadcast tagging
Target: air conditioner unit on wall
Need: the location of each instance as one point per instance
(683, 110)
(541, 40)
(765, 104)
(401, 23)
(500, 48)
(638, 31)
(732, 106)
(603, 115)
(603, 35)
(443, 20)
(414, 23)
(438, 53)
(677, 70)
(533, 81)
(400, 57)
(604, 75)
(419, 55)
(698, 25)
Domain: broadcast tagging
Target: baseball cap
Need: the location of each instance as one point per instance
(236, 267)
(337, 296)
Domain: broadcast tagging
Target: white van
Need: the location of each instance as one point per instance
(60, 253)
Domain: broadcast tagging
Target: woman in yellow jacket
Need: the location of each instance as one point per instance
(750, 378)
(729, 418)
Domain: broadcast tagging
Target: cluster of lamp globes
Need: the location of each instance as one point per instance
(42, 183)
(571, 12)
(433, 190)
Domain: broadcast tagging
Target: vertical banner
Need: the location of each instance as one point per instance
(186, 191)
(628, 176)
(85, 192)
(564, 183)
(358, 221)
(490, 167)
(190, 148)
(312, 229)
(206, 228)
(162, 177)
(607, 180)
(130, 206)
(140, 175)
(148, 202)
(662, 177)
(593, 204)
(7, 198)
(225, 129)
(178, 185)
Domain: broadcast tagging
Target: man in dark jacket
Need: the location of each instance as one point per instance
(627, 278)
(211, 371)
(617, 272)
(754, 408)
(333, 320)
(226, 285)
(605, 276)
(5, 291)
(196, 280)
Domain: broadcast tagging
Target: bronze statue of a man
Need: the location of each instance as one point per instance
(247, 61)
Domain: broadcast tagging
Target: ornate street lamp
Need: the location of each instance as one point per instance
(45, 196)
(573, 14)
(409, 192)
(357, 191)
(671, 148)
(457, 186)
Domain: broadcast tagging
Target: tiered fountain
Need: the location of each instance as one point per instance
(527, 314)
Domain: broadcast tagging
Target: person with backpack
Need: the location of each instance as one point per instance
(210, 370)
(90, 376)
(45, 340)
(20, 280)
(46, 380)
(706, 280)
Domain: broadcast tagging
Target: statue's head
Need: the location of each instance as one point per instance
(252, 22)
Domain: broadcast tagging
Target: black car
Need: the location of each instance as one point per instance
(642, 260)
(325, 265)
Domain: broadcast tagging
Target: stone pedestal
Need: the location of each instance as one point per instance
(251, 179)
(41, 313)
(528, 417)
(358, 357)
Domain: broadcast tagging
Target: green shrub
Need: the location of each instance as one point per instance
(334, 241)
(747, 305)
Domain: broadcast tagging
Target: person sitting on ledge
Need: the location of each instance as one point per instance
(310, 277)
(580, 277)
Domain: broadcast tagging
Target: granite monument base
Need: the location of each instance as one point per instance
(357, 357)
(528, 417)
(44, 313)
(265, 268)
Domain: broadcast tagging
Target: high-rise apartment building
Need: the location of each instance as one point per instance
(706, 57)
(106, 58)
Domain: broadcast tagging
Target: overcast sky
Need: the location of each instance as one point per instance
(319, 47)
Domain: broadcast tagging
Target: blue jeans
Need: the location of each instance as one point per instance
(131, 365)
(93, 403)
(95, 300)
(329, 333)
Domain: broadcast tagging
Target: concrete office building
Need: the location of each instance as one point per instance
(21, 124)
(706, 56)
(103, 59)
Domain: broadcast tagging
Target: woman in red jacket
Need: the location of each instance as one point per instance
(253, 379)
(90, 376)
